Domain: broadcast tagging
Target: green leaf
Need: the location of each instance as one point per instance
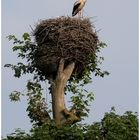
(26, 36)
(15, 96)
(7, 65)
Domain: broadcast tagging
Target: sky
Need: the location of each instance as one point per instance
(117, 21)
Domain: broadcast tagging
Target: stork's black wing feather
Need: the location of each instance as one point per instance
(74, 12)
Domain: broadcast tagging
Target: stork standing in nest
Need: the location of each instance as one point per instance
(77, 8)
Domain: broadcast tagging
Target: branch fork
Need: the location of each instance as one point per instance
(60, 113)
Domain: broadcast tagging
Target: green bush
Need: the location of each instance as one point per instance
(111, 127)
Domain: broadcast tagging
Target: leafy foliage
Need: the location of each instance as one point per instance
(18, 135)
(26, 49)
(80, 98)
(15, 96)
(125, 126)
(111, 127)
(37, 107)
(38, 111)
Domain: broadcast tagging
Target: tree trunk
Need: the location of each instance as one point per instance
(60, 114)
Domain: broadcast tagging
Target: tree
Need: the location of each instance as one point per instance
(65, 53)
(111, 127)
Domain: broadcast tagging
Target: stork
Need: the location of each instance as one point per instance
(78, 6)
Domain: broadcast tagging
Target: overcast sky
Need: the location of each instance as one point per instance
(118, 21)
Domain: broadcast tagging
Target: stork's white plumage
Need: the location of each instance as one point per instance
(78, 6)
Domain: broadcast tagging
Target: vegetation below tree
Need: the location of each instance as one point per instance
(111, 127)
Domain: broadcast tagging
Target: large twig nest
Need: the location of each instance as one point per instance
(72, 39)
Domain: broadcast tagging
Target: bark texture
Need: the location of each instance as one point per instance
(60, 113)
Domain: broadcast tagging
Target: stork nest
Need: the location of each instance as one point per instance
(71, 39)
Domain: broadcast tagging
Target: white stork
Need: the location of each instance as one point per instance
(78, 5)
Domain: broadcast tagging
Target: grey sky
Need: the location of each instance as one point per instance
(118, 21)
